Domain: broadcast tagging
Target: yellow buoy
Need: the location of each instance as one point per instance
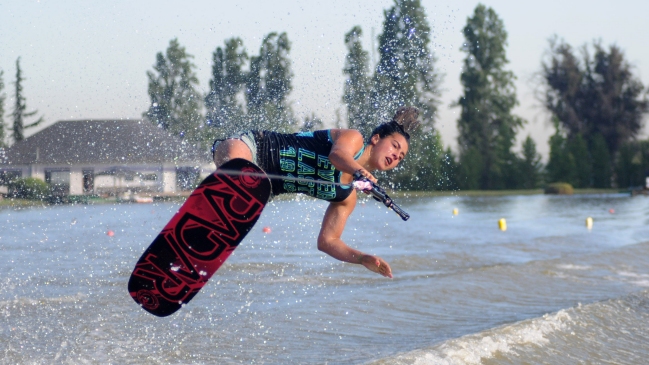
(502, 224)
(589, 223)
(455, 211)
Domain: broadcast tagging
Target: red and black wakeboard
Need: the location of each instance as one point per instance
(200, 237)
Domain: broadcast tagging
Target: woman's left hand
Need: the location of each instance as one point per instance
(376, 264)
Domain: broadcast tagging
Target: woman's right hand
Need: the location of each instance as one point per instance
(367, 175)
(376, 264)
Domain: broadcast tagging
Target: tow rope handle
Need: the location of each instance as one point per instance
(378, 194)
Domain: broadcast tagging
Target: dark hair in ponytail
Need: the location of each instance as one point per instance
(403, 122)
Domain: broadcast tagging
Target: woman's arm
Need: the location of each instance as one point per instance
(330, 242)
(346, 144)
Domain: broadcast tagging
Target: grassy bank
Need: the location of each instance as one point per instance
(20, 203)
(419, 194)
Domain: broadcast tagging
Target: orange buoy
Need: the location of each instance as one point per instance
(612, 211)
(110, 233)
(266, 229)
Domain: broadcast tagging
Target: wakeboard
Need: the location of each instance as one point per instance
(207, 228)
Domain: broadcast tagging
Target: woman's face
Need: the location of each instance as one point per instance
(388, 151)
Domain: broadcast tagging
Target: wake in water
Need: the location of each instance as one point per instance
(609, 332)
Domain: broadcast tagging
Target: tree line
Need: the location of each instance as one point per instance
(596, 102)
(19, 114)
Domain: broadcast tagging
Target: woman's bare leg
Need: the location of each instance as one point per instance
(229, 149)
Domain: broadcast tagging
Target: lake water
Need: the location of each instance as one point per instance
(546, 291)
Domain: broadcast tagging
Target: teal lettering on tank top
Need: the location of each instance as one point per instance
(324, 163)
(304, 169)
(289, 185)
(305, 156)
(286, 165)
(289, 152)
(305, 153)
(307, 183)
(325, 172)
(326, 191)
(306, 187)
(326, 175)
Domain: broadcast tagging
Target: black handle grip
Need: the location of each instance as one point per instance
(380, 195)
(405, 216)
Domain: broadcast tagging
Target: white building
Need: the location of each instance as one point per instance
(106, 157)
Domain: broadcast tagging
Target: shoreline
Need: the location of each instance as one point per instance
(25, 203)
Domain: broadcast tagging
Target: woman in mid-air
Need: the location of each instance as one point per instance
(333, 156)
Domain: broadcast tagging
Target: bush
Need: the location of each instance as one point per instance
(559, 188)
(28, 188)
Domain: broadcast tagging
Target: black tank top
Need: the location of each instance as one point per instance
(303, 155)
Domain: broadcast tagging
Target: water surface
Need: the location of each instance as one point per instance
(548, 290)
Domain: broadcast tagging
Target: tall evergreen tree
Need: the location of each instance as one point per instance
(602, 170)
(594, 95)
(561, 164)
(20, 106)
(268, 85)
(175, 100)
(624, 168)
(2, 112)
(619, 97)
(565, 94)
(224, 112)
(632, 166)
(530, 170)
(405, 74)
(357, 84)
(577, 147)
(486, 125)
(448, 171)
(471, 165)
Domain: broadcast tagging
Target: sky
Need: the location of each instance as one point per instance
(88, 59)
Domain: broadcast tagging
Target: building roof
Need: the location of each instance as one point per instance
(103, 142)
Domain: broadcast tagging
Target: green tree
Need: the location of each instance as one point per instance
(594, 95)
(618, 96)
(601, 162)
(29, 188)
(224, 112)
(357, 84)
(583, 166)
(486, 125)
(405, 74)
(632, 164)
(448, 171)
(20, 106)
(268, 85)
(2, 111)
(561, 164)
(564, 78)
(530, 169)
(175, 101)
(643, 162)
(470, 168)
(627, 166)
